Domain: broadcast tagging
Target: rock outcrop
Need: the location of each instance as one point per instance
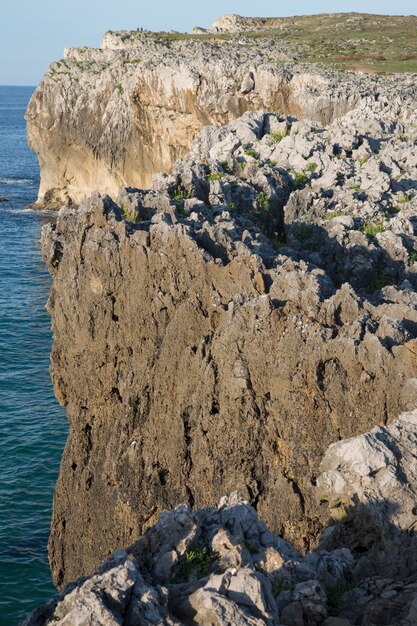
(237, 24)
(223, 566)
(220, 330)
(113, 116)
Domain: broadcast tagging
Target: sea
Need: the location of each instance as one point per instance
(33, 427)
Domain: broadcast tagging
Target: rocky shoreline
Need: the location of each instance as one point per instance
(221, 329)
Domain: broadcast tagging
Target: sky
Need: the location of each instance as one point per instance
(35, 32)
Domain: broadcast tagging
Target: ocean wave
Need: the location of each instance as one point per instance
(17, 181)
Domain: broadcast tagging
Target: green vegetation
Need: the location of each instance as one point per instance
(215, 176)
(344, 41)
(180, 194)
(252, 153)
(371, 230)
(332, 214)
(405, 198)
(226, 167)
(412, 255)
(132, 215)
(120, 89)
(355, 187)
(335, 593)
(197, 559)
(351, 41)
(263, 201)
(300, 179)
(280, 584)
(311, 167)
(278, 136)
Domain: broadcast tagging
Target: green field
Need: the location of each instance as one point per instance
(370, 43)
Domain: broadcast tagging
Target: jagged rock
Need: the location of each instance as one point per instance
(322, 588)
(377, 469)
(131, 590)
(156, 356)
(110, 117)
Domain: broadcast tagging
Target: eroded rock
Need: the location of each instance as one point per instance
(193, 318)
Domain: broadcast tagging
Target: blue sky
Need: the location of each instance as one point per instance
(35, 32)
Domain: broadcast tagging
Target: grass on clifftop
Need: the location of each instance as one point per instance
(344, 41)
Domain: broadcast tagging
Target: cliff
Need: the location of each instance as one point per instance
(113, 116)
(223, 566)
(220, 330)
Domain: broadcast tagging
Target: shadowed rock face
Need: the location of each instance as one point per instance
(194, 359)
(223, 566)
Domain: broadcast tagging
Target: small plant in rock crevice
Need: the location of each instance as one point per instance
(264, 201)
(215, 176)
(197, 559)
(129, 214)
(179, 195)
(226, 167)
(405, 198)
(334, 594)
(252, 153)
(280, 584)
(371, 230)
(300, 179)
(330, 215)
(278, 136)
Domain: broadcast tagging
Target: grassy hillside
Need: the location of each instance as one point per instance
(358, 41)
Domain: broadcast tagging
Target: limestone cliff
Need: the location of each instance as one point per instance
(107, 117)
(220, 330)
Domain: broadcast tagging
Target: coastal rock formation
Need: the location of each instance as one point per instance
(220, 330)
(113, 116)
(238, 24)
(223, 566)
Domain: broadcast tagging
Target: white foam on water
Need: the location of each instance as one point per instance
(16, 181)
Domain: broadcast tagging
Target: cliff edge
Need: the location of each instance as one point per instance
(219, 330)
(107, 117)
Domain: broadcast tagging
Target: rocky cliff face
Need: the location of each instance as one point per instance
(107, 117)
(221, 329)
(223, 566)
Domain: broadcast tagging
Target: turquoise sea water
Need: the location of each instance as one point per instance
(33, 427)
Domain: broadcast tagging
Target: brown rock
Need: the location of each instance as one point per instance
(166, 406)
